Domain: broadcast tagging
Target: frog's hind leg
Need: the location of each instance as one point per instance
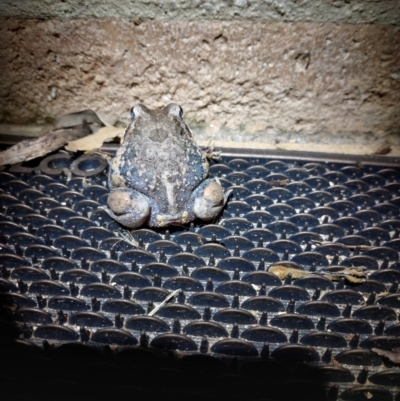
(130, 208)
(208, 199)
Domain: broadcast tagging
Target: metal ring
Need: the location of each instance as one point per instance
(55, 164)
(88, 165)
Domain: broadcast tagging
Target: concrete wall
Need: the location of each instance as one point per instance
(274, 71)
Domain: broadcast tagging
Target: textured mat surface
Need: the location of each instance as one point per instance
(71, 274)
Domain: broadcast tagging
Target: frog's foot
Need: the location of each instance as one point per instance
(163, 220)
(130, 208)
(209, 199)
(209, 152)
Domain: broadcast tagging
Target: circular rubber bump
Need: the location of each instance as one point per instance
(264, 334)
(162, 269)
(234, 347)
(168, 247)
(131, 279)
(151, 294)
(90, 319)
(234, 287)
(219, 251)
(375, 312)
(261, 277)
(206, 272)
(100, 290)
(263, 304)
(231, 316)
(123, 307)
(87, 253)
(350, 326)
(186, 284)
(58, 263)
(300, 202)
(138, 256)
(108, 265)
(40, 252)
(114, 336)
(67, 303)
(48, 287)
(293, 353)
(79, 276)
(289, 292)
(256, 254)
(31, 315)
(382, 342)
(171, 341)
(68, 241)
(359, 357)
(391, 300)
(292, 321)
(149, 324)
(389, 377)
(238, 242)
(7, 286)
(29, 274)
(313, 282)
(177, 311)
(211, 299)
(324, 339)
(209, 329)
(258, 186)
(185, 258)
(358, 393)
(344, 297)
(115, 244)
(334, 374)
(56, 332)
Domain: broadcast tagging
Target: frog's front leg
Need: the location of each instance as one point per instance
(208, 199)
(129, 207)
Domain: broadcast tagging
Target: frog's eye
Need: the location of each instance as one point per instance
(139, 110)
(180, 112)
(175, 110)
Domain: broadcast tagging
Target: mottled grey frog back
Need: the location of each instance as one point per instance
(159, 158)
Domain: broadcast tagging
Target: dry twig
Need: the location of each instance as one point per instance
(29, 149)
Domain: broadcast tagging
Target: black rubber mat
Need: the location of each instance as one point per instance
(242, 302)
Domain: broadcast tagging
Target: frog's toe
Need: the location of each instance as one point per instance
(128, 207)
(210, 201)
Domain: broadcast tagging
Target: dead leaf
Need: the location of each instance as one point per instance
(335, 362)
(384, 149)
(96, 140)
(353, 275)
(280, 183)
(391, 355)
(354, 280)
(282, 272)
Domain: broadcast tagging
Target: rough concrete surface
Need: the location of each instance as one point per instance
(341, 11)
(242, 80)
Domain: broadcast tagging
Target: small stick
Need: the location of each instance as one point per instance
(166, 300)
(29, 149)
